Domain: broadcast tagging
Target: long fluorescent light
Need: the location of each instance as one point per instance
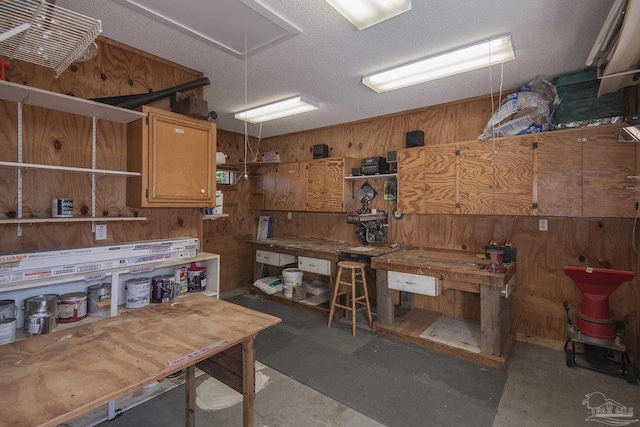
(288, 107)
(479, 55)
(365, 13)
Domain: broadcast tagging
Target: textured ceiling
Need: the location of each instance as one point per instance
(328, 59)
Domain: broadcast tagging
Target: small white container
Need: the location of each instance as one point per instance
(62, 208)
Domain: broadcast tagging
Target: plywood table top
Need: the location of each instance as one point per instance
(48, 379)
(331, 247)
(446, 265)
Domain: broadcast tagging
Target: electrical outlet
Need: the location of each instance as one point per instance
(289, 216)
(101, 232)
(543, 225)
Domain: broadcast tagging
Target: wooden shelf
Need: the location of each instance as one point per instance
(72, 219)
(30, 166)
(378, 175)
(68, 104)
(215, 216)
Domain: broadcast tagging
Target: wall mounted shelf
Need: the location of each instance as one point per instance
(379, 175)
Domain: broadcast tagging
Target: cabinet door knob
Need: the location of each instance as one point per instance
(202, 190)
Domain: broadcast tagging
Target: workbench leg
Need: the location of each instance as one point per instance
(505, 315)
(190, 415)
(248, 381)
(257, 271)
(384, 298)
(491, 337)
(406, 300)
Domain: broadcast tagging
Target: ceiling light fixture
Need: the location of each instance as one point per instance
(287, 107)
(365, 13)
(494, 51)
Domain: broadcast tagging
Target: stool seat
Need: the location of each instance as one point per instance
(349, 288)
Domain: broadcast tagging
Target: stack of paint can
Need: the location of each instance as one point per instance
(7, 321)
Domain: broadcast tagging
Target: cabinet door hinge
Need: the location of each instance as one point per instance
(534, 205)
(457, 152)
(457, 205)
(146, 193)
(535, 145)
(146, 119)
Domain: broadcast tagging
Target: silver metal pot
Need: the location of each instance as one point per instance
(40, 314)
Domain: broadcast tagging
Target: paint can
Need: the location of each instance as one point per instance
(62, 208)
(7, 309)
(99, 299)
(181, 281)
(40, 323)
(7, 330)
(138, 291)
(291, 277)
(73, 307)
(162, 288)
(40, 314)
(197, 277)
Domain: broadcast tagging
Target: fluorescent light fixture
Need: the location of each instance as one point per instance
(479, 55)
(288, 107)
(365, 13)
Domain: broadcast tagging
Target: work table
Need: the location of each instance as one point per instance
(328, 248)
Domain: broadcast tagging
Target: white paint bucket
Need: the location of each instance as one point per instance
(7, 330)
(138, 292)
(7, 309)
(291, 277)
(99, 303)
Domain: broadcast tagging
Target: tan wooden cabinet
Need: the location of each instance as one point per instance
(327, 186)
(513, 176)
(474, 177)
(606, 164)
(427, 179)
(559, 173)
(285, 187)
(175, 155)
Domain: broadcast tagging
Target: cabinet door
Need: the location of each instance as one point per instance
(606, 165)
(290, 189)
(513, 176)
(257, 187)
(325, 178)
(440, 179)
(181, 161)
(559, 173)
(474, 175)
(411, 180)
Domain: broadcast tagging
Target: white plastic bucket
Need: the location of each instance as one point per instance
(291, 277)
(7, 330)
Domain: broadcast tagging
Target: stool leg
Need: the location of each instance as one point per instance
(366, 297)
(335, 296)
(354, 295)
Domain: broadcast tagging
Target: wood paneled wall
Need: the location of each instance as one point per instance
(537, 306)
(52, 137)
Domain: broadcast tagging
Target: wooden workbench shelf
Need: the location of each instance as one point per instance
(411, 325)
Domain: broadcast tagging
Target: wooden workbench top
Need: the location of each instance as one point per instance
(48, 379)
(331, 247)
(446, 265)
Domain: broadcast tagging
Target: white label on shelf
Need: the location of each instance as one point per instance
(91, 277)
(178, 130)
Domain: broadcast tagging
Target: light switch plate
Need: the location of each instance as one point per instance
(101, 232)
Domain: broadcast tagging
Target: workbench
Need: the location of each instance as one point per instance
(324, 254)
(457, 270)
(49, 379)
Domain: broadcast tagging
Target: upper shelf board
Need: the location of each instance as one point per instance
(68, 104)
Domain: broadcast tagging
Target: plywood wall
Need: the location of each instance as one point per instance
(52, 137)
(542, 288)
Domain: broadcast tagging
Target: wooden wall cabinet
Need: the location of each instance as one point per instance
(314, 186)
(175, 155)
(327, 186)
(576, 173)
(427, 179)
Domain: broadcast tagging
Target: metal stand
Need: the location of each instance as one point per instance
(612, 357)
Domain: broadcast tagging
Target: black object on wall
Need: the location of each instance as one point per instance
(320, 151)
(415, 138)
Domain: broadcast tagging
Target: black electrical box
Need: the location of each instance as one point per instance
(320, 151)
(415, 138)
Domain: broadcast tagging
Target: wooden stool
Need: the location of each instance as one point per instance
(350, 293)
